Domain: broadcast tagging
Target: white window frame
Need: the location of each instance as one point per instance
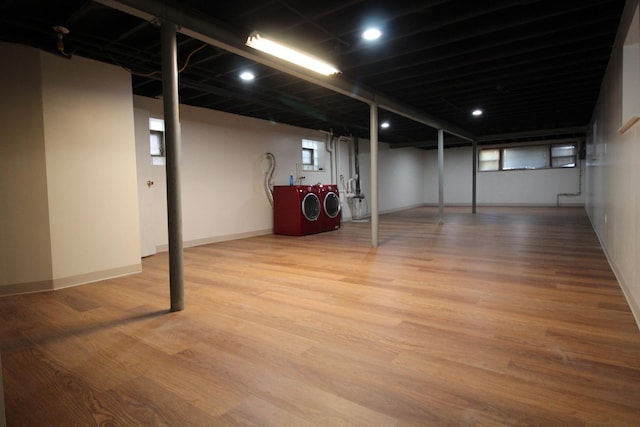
(488, 163)
(314, 146)
(156, 129)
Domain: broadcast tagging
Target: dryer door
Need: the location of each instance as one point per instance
(311, 207)
(332, 204)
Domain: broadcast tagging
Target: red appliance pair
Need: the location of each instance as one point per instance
(305, 209)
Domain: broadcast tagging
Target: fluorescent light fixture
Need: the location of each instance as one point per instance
(294, 56)
(477, 112)
(384, 125)
(371, 34)
(247, 76)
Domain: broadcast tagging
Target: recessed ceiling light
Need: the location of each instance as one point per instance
(371, 34)
(247, 76)
(477, 112)
(384, 125)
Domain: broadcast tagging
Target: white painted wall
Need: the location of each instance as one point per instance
(504, 188)
(224, 167)
(613, 174)
(25, 249)
(70, 179)
(91, 170)
(400, 176)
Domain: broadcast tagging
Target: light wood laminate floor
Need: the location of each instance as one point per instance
(510, 317)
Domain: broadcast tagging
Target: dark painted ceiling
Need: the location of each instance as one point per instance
(534, 67)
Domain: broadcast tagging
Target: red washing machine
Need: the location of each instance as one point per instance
(296, 210)
(331, 213)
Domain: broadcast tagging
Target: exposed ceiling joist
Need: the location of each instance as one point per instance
(200, 29)
(532, 66)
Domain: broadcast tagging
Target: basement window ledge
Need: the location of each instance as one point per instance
(628, 124)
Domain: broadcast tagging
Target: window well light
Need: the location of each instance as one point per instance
(384, 125)
(371, 34)
(247, 76)
(476, 113)
(289, 54)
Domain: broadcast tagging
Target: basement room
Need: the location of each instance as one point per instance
(303, 213)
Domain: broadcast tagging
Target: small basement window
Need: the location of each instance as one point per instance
(564, 156)
(489, 159)
(312, 155)
(308, 156)
(156, 141)
(157, 144)
(534, 157)
(539, 156)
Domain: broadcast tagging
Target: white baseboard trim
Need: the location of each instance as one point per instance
(95, 276)
(468, 205)
(66, 282)
(26, 288)
(216, 239)
(3, 420)
(386, 211)
(224, 238)
(626, 290)
(506, 205)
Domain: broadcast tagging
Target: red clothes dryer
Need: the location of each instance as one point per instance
(330, 217)
(296, 210)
